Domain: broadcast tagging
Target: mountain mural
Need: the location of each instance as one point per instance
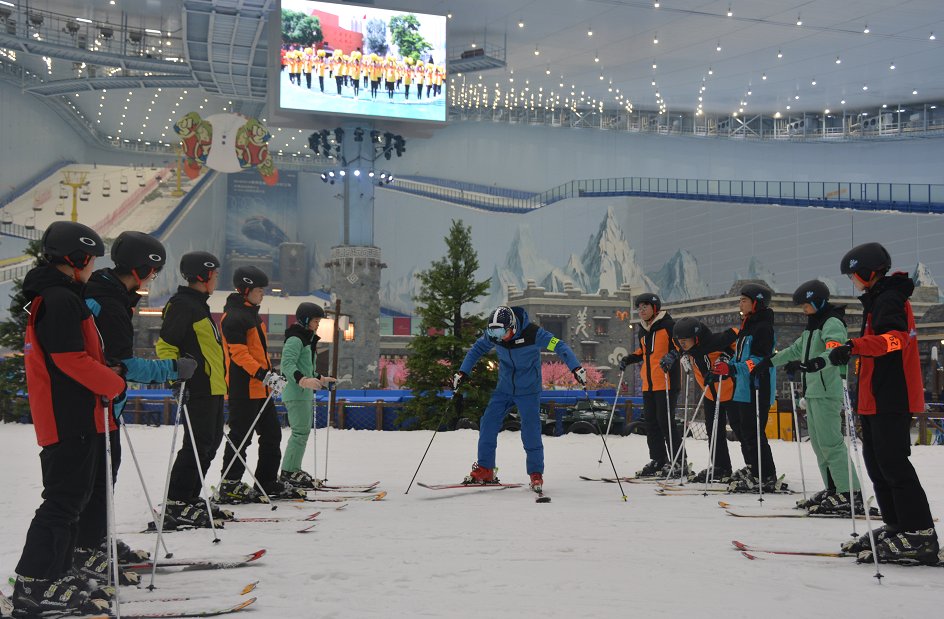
(609, 261)
(679, 278)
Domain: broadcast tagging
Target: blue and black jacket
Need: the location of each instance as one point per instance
(112, 305)
(755, 342)
(519, 369)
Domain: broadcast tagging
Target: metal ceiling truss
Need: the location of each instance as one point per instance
(226, 46)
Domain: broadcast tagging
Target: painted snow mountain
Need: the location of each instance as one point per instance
(922, 276)
(679, 279)
(398, 294)
(757, 270)
(609, 261)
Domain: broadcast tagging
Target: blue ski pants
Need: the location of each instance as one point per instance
(529, 409)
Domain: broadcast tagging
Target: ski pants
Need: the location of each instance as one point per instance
(886, 445)
(241, 415)
(824, 418)
(747, 422)
(655, 409)
(68, 469)
(299, 418)
(722, 455)
(529, 408)
(206, 417)
(93, 521)
(308, 80)
(321, 82)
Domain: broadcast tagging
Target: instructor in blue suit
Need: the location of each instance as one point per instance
(518, 343)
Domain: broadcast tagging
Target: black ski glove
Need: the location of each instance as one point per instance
(628, 360)
(841, 354)
(793, 367)
(668, 360)
(814, 365)
(186, 366)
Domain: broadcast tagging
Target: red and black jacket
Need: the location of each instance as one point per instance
(889, 365)
(66, 375)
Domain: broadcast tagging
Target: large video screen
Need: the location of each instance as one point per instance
(357, 60)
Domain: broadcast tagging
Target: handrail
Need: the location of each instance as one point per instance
(902, 197)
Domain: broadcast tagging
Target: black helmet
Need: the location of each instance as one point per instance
(688, 328)
(650, 299)
(68, 242)
(814, 292)
(306, 311)
(196, 266)
(138, 253)
(245, 278)
(757, 293)
(865, 261)
(501, 321)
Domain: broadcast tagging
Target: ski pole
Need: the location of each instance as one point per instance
(242, 443)
(170, 464)
(607, 450)
(442, 420)
(112, 540)
(713, 448)
(331, 386)
(849, 463)
(167, 554)
(314, 440)
(609, 422)
(255, 481)
(760, 455)
(796, 436)
(196, 459)
(668, 419)
(847, 404)
(686, 421)
(684, 431)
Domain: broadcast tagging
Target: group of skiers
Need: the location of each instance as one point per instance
(348, 70)
(79, 359)
(735, 371)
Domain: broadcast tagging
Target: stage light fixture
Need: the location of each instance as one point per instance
(358, 135)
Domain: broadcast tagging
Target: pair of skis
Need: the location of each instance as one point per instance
(265, 519)
(541, 497)
(6, 609)
(750, 552)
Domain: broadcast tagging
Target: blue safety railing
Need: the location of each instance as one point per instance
(902, 197)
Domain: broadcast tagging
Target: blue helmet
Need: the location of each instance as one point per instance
(502, 324)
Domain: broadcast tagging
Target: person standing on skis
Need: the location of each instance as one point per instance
(890, 390)
(660, 383)
(519, 344)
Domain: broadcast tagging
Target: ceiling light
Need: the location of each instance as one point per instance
(710, 71)
(843, 102)
(779, 54)
(764, 76)
(730, 12)
(914, 92)
(718, 47)
(932, 37)
(152, 31)
(813, 83)
(81, 19)
(788, 107)
(865, 86)
(655, 5)
(537, 52)
(796, 97)
(838, 60)
(589, 31)
(655, 39)
(799, 21)
(596, 58)
(654, 65)
(826, 111)
(891, 66)
(520, 24)
(866, 29)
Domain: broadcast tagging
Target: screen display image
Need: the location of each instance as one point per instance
(357, 60)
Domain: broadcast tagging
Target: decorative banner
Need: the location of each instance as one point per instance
(260, 216)
(226, 143)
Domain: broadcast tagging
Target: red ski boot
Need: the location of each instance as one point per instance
(480, 475)
(537, 482)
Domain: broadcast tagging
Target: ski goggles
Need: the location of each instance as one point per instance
(496, 332)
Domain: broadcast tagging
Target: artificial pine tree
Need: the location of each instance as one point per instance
(12, 332)
(446, 334)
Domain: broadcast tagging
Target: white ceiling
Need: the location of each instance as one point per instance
(623, 33)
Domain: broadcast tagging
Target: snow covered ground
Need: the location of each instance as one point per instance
(495, 553)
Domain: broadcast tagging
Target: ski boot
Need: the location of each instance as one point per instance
(814, 500)
(300, 479)
(719, 477)
(33, 597)
(862, 543)
(776, 485)
(93, 564)
(126, 554)
(480, 475)
(218, 512)
(537, 482)
(909, 547)
(237, 492)
(673, 471)
(838, 504)
(285, 491)
(745, 473)
(653, 469)
(189, 514)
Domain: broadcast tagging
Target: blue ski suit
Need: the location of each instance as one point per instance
(519, 384)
